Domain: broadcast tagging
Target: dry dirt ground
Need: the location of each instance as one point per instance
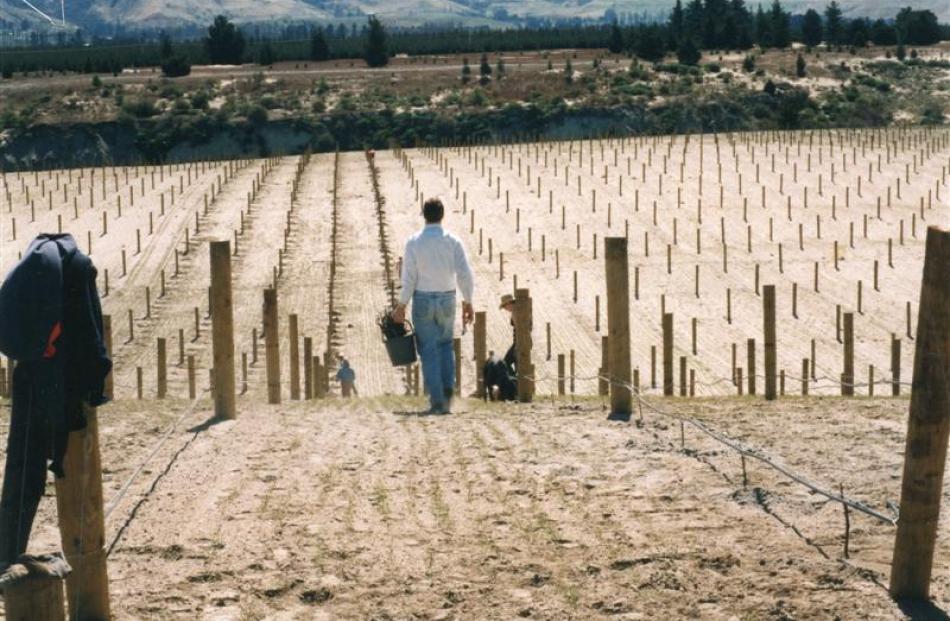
(363, 509)
(360, 509)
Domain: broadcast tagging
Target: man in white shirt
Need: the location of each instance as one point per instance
(434, 261)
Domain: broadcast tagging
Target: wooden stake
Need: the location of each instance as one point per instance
(82, 522)
(928, 429)
(272, 345)
(294, 357)
(771, 362)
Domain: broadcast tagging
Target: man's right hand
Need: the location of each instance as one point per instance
(399, 313)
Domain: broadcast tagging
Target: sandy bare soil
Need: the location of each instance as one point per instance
(365, 510)
(362, 509)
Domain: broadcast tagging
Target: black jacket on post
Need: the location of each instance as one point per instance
(51, 325)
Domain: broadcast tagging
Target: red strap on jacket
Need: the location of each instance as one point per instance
(54, 334)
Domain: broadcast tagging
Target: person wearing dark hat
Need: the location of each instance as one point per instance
(511, 356)
(434, 264)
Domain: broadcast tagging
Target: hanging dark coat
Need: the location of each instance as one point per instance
(51, 325)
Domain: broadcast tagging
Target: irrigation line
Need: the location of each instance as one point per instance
(117, 498)
(722, 438)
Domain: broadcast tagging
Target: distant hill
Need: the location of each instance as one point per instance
(148, 14)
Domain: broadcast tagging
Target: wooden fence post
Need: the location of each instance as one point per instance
(82, 523)
(480, 351)
(928, 428)
(668, 354)
(307, 368)
(222, 330)
(161, 370)
(560, 375)
(272, 346)
(895, 366)
(618, 326)
(523, 323)
(768, 302)
(847, 378)
(457, 350)
(294, 357)
(107, 339)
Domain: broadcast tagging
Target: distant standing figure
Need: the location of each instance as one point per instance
(433, 262)
(347, 377)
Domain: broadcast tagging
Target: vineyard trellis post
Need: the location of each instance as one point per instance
(222, 329)
(928, 428)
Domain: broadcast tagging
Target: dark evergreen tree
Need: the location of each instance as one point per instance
(687, 53)
(743, 21)
(466, 72)
(834, 24)
(484, 71)
(165, 45)
(676, 22)
(811, 28)
(779, 25)
(224, 43)
(651, 44)
(800, 66)
(858, 33)
(615, 43)
(319, 48)
(569, 71)
(883, 33)
(694, 21)
(266, 56)
(763, 28)
(917, 27)
(376, 52)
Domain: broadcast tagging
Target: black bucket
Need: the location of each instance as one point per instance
(401, 350)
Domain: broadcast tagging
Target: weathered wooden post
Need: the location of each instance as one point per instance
(523, 344)
(294, 357)
(928, 427)
(222, 329)
(895, 366)
(603, 385)
(480, 351)
(768, 303)
(847, 378)
(560, 375)
(82, 523)
(668, 354)
(36, 598)
(161, 369)
(272, 346)
(192, 382)
(307, 368)
(618, 326)
(750, 355)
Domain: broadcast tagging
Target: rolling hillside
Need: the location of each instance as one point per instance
(131, 14)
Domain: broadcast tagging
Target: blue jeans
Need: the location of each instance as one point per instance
(433, 316)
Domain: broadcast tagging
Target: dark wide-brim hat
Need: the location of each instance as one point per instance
(506, 299)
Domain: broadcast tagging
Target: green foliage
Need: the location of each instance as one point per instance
(466, 72)
(811, 28)
(748, 63)
(650, 44)
(199, 100)
(319, 48)
(917, 27)
(687, 53)
(615, 43)
(376, 52)
(834, 26)
(484, 70)
(256, 114)
(901, 52)
(800, 66)
(224, 43)
(175, 67)
(96, 82)
(266, 56)
(140, 108)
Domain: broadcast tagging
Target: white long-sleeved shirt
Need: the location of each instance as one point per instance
(434, 259)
